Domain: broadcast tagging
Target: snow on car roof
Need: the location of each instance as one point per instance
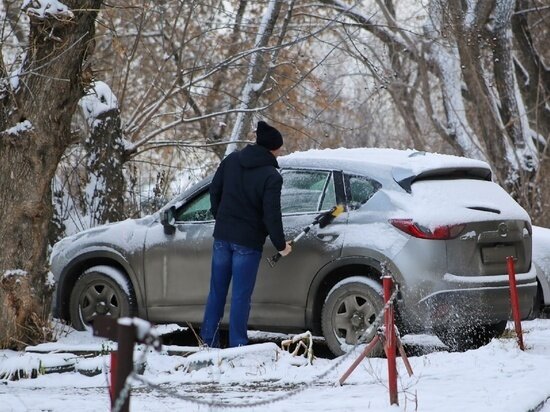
(433, 202)
(415, 161)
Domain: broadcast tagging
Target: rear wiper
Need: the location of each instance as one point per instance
(484, 209)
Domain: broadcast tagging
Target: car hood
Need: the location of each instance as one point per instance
(125, 237)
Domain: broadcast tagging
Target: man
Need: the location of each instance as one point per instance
(245, 197)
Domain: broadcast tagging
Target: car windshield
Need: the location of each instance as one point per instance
(178, 199)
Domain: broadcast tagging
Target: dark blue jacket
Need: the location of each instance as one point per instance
(246, 199)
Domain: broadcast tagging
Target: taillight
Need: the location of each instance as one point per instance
(442, 232)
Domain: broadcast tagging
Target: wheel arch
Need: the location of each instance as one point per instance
(329, 276)
(85, 261)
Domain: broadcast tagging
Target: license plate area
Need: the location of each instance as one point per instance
(497, 254)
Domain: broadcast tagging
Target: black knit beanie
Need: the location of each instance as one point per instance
(268, 137)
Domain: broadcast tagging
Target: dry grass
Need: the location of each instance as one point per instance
(24, 319)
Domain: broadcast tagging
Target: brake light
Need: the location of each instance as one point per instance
(442, 232)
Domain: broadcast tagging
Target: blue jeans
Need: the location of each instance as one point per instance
(240, 263)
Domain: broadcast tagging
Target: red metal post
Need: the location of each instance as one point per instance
(125, 364)
(389, 332)
(514, 300)
(362, 356)
(122, 364)
(404, 357)
(114, 363)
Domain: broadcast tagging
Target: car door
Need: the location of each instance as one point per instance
(177, 266)
(280, 295)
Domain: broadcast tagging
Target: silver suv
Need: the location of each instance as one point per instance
(440, 225)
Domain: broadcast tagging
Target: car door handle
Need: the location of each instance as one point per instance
(327, 237)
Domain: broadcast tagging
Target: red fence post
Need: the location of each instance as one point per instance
(123, 331)
(362, 356)
(514, 300)
(125, 364)
(389, 332)
(114, 364)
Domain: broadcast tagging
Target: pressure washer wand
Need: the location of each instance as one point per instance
(322, 220)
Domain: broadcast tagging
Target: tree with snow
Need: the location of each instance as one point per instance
(473, 72)
(37, 102)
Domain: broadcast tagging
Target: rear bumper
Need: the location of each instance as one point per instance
(478, 299)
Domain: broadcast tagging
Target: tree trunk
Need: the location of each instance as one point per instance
(50, 86)
(483, 112)
(533, 75)
(102, 199)
(106, 185)
(217, 128)
(541, 209)
(258, 74)
(515, 120)
(4, 93)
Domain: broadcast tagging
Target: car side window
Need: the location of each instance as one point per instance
(306, 191)
(197, 210)
(360, 189)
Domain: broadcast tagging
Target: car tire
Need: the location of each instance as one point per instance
(101, 290)
(350, 308)
(470, 337)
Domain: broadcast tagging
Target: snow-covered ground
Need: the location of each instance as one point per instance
(497, 377)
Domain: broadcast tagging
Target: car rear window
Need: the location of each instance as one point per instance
(405, 178)
(360, 189)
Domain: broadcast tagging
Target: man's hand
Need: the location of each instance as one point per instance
(287, 249)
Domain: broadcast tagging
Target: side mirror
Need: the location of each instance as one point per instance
(168, 220)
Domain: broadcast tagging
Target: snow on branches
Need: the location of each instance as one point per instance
(98, 100)
(43, 9)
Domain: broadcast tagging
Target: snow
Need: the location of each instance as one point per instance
(521, 277)
(448, 202)
(50, 279)
(114, 274)
(541, 248)
(381, 237)
(43, 9)
(14, 272)
(98, 100)
(143, 328)
(19, 128)
(356, 279)
(124, 233)
(497, 377)
(414, 160)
